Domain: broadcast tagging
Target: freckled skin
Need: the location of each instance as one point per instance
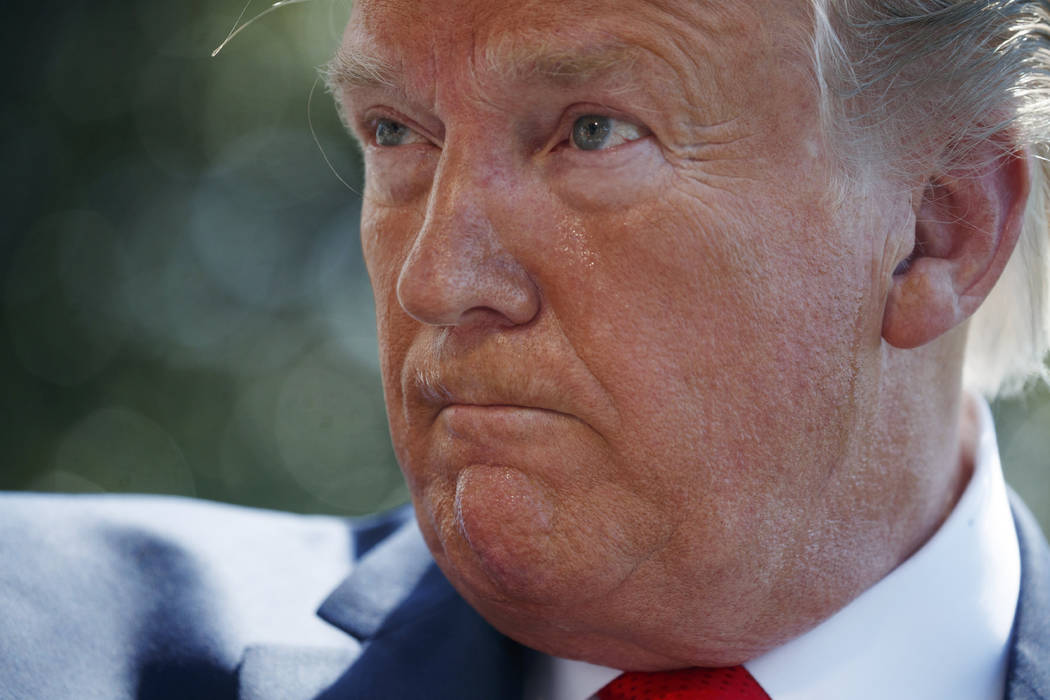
(640, 395)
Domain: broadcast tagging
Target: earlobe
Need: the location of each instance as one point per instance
(966, 227)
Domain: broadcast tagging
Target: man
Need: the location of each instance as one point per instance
(674, 301)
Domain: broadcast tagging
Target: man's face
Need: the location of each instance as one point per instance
(627, 341)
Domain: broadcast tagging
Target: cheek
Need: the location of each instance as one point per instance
(387, 234)
(386, 239)
(396, 176)
(379, 226)
(600, 182)
(723, 325)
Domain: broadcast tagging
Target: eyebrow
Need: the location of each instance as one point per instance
(354, 67)
(563, 65)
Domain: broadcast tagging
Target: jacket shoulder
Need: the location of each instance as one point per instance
(118, 596)
(1029, 673)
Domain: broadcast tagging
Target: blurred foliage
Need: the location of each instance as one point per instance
(185, 309)
(1023, 426)
(184, 305)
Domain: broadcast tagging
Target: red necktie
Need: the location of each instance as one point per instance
(733, 683)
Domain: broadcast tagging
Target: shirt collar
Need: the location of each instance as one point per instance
(938, 626)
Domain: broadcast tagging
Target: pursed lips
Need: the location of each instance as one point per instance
(502, 399)
(501, 375)
(490, 425)
(499, 407)
(440, 394)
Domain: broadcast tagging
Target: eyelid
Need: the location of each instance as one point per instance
(370, 119)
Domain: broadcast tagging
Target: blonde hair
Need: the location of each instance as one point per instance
(898, 75)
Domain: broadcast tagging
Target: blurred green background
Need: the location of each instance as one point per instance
(185, 309)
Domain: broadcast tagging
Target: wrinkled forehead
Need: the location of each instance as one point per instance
(512, 38)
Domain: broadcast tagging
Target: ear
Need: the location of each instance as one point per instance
(966, 227)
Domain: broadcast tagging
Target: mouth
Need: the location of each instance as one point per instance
(446, 376)
(489, 425)
(499, 407)
(474, 394)
(463, 418)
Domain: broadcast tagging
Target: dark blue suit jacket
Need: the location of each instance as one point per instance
(111, 612)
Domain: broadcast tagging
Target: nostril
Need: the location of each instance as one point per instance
(457, 275)
(471, 292)
(523, 301)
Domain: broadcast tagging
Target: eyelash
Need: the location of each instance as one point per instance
(371, 127)
(564, 139)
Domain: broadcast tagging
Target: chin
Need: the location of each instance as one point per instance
(505, 546)
(501, 539)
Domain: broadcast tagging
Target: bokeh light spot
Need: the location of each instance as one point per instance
(325, 425)
(120, 450)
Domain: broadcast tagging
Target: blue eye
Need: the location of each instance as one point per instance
(390, 133)
(591, 132)
(597, 132)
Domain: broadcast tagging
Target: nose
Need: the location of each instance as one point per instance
(459, 270)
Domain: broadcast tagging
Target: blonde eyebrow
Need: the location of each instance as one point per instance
(352, 67)
(567, 66)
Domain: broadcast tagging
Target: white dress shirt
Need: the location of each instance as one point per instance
(937, 627)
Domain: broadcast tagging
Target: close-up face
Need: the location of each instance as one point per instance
(627, 337)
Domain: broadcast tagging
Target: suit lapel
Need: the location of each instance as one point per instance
(1029, 674)
(384, 579)
(421, 639)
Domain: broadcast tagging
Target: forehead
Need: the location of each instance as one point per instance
(483, 20)
(425, 43)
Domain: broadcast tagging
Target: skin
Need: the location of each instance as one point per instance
(643, 396)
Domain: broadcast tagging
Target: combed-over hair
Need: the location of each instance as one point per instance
(905, 79)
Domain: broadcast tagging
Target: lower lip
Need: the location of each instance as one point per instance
(499, 421)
